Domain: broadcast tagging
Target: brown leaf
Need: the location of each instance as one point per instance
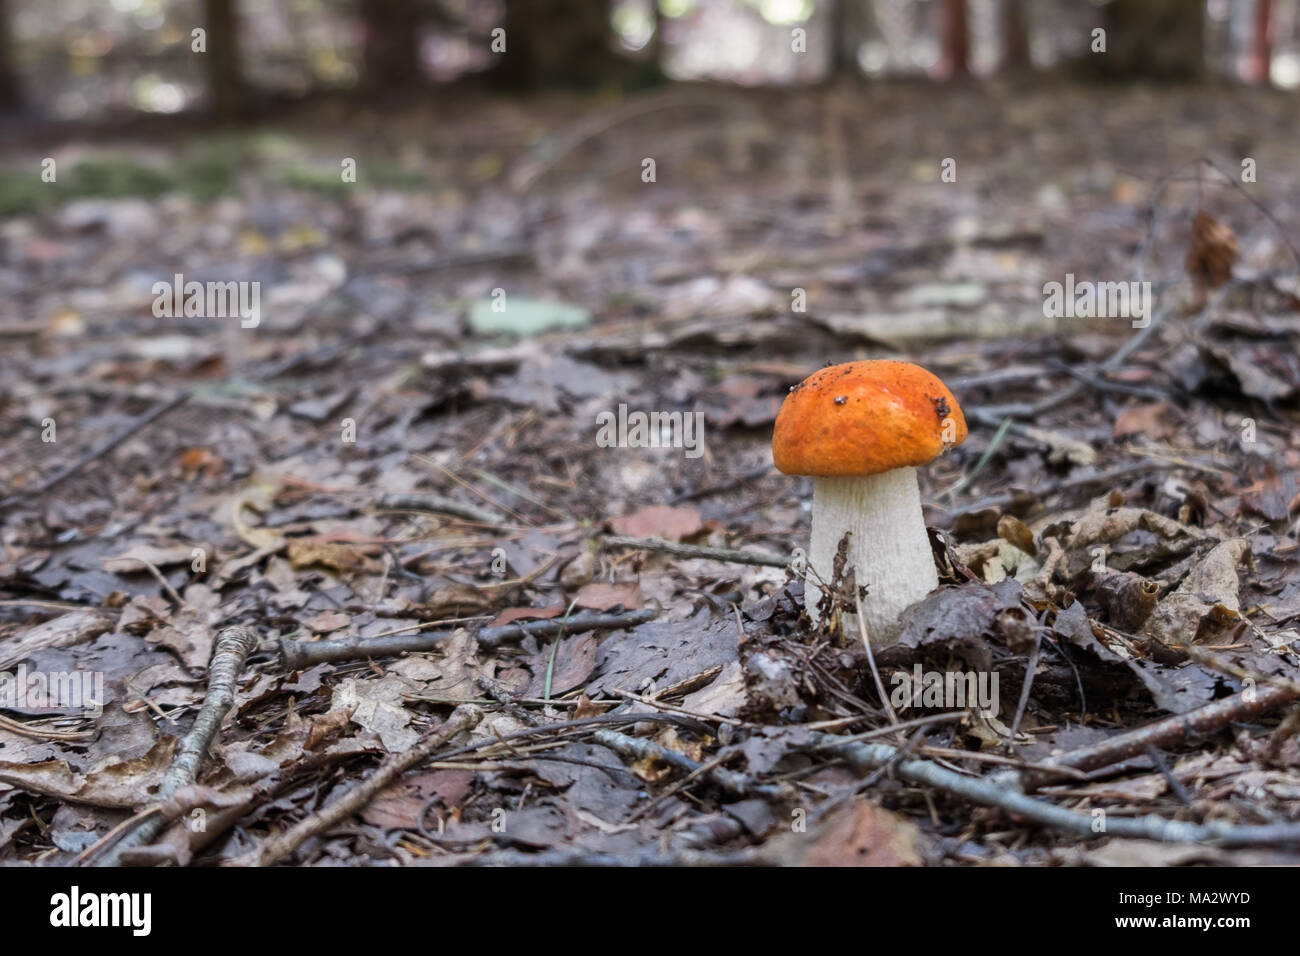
(138, 558)
(66, 630)
(579, 571)
(1205, 603)
(1127, 599)
(326, 726)
(600, 596)
(586, 708)
(125, 783)
(1212, 253)
(574, 661)
(512, 614)
(457, 600)
(195, 460)
(1152, 420)
(399, 806)
(1270, 492)
(1014, 531)
(866, 835)
(327, 621)
(339, 556)
(659, 521)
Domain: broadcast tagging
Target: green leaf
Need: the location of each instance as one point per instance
(518, 316)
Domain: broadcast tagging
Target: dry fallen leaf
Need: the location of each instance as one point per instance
(865, 835)
(123, 783)
(259, 538)
(1154, 420)
(340, 556)
(512, 614)
(138, 558)
(327, 621)
(599, 596)
(659, 521)
(1014, 531)
(1206, 603)
(378, 706)
(1212, 253)
(66, 630)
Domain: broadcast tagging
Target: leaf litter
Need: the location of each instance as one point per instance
(1125, 550)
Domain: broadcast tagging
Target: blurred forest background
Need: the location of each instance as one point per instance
(94, 60)
(688, 205)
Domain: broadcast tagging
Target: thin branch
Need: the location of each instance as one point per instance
(284, 844)
(636, 748)
(298, 655)
(437, 504)
(232, 647)
(97, 452)
(729, 555)
(980, 790)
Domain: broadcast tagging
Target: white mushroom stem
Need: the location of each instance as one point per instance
(889, 548)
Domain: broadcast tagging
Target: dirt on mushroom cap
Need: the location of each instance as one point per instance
(862, 418)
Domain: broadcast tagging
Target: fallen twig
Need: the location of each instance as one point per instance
(39, 733)
(729, 555)
(637, 748)
(232, 647)
(647, 858)
(577, 726)
(66, 630)
(1144, 467)
(300, 654)
(1163, 733)
(283, 844)
(990, 793)
(437, 504)
(660, 705)
(1031, 670)
(995, 414)
(742, 479)
(103, 448)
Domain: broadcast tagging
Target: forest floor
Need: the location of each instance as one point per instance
(378, 451)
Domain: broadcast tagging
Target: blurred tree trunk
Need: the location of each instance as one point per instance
(392, 43)
(844, 30)
(1260, 61)
(1015, 37)
(557, 43)
(225, 86)
(10, 93)
(1160, 39)
(954, 37)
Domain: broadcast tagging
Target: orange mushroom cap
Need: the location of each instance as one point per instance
(862, 418)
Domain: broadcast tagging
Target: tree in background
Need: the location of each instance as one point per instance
(10, 93)
(1260, 60)
(1158, 39)
(954, 39)
(225, 82)
(558, 43)
(848, 25)
(391, 44)
(1015, 37)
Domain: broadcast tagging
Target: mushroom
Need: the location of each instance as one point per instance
(860, 429)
